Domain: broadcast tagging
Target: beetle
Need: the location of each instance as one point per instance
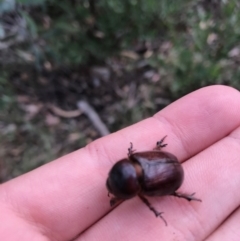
(148, 173)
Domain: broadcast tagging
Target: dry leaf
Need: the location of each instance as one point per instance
(130, 54)
(73, 137)
(235, 52)
(64, 113)
(51, 120)
(32, 110)
(212, 37)
(23, 99)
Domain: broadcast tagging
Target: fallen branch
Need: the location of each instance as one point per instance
(93, 117)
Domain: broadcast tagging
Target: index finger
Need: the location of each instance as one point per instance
(69, 195)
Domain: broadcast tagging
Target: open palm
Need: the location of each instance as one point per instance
(67, 198)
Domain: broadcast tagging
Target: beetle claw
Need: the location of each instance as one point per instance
(157, 214)
(160, 144)
(160, 216)
(189, 197)
(130, 149)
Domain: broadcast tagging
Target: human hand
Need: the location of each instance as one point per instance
(67, 198)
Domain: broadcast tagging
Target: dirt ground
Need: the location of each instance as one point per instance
(43, 121)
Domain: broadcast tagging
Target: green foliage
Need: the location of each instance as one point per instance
(201, 54)
(84, 31)
(6, 93)
(87, 32)
(30, 2)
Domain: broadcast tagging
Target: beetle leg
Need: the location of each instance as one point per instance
(130, 149)
(160, 144)
(157, 214)
(189, 197)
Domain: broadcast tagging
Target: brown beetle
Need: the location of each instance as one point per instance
(149, 173)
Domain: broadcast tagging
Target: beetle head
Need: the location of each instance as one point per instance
(122, 180)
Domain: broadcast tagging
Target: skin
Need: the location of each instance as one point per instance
(67, 198)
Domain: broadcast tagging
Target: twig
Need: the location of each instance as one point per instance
(93, 117)
(63, 113)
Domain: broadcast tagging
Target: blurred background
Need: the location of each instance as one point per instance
(72, 71)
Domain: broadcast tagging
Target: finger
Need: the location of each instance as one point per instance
(191, 124)
(69, 195)
(213, 174)
(229, 230)
(199, 119)
(14, 228)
